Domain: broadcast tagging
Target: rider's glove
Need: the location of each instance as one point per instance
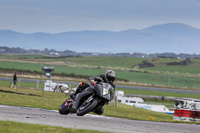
(73, 95)
(98, 79)
(92, 82)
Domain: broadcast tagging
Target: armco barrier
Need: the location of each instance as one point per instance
(187, 110)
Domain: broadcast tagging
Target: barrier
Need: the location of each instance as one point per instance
(187, 110)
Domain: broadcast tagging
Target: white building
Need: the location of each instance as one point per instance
(139, 102)
(53, 86)
(130, 100)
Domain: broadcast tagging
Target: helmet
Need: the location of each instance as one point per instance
(110, 75)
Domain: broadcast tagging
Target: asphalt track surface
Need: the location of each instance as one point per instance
(91, 122)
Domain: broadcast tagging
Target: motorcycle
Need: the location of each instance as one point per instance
(94, 97)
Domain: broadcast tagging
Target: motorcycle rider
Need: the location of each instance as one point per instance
(82, 86)
(108, 77)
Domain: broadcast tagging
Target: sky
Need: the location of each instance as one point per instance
(54, 16)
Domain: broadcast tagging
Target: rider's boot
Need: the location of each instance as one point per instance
(99, 110)
(73, 107)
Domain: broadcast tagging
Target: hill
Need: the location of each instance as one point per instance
(172, 37)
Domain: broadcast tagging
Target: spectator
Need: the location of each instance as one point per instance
(14, 80)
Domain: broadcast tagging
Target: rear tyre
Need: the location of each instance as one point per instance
(87, 107)
(63, 110)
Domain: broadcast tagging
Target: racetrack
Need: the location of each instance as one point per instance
(101, 123)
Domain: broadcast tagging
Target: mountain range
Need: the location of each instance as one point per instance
(171, 37)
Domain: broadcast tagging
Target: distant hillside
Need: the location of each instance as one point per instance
(69, 53)
(173, 37)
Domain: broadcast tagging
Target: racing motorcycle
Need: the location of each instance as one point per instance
(96, 96)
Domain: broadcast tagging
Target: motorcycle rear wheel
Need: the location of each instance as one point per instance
(86, 108)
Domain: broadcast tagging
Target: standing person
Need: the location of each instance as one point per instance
(14, 80)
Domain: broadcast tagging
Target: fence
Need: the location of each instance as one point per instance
(31, 83)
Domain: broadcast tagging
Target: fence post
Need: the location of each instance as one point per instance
(169, 81)
(37, 84)
(11, 83)
(116, 102)
(18, 83)
(43, 92)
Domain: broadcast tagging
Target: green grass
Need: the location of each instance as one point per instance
(20, 66)
(22, 84)
(179, 75)
(159, 79)
(127, 62)
(58, 69)
(186, 70)
(168, 103)
(31, 98)
(17, 127)
(160, 93)
(127, 91)
(138, 77)
(181, 70)
(130, 112)
(21, 56)
(5, 83)
(114, 62)
(52, 100)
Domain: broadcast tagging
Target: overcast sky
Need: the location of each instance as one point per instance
(53, 16)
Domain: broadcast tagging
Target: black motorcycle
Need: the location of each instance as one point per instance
(94, 97)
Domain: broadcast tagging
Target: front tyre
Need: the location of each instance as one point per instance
(63, 110)
(87, 107)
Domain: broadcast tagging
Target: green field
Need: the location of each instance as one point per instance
(138, 77)
(183, 70)
(126, 62)
(160, 75)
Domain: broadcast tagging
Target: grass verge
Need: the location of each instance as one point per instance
(52, 100)
(160, 93)
(16, 127)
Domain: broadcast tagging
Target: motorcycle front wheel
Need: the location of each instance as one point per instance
(63, 110)
(87, 107)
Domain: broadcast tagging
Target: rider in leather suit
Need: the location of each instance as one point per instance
(108, 77)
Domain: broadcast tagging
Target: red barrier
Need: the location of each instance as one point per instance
(187, 110)
(183, 113)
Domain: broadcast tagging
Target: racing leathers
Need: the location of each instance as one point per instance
(79, 94)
